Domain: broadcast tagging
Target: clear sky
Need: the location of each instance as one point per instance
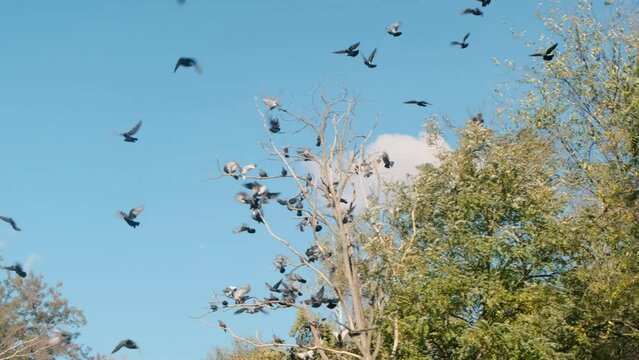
(74, 72)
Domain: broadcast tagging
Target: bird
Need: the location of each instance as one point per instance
(285, 152)
(246, 169)
(222, 325)
(275, 125)
(349, 51)
(263, 173)
(130, 217)
(296, 277)
(17, 268)
(11, 222)
(280, 263)
(421, 103)
(318, 142)
(270, 103)
(484, 3)
(277, 340)
(231, 168)
(274, 288)
(128, 136)
(387, 161)
(257, 216)
(369, 61)
(60, 337)
(548, 55)
(284, 172)
(244, 227)
(240, 295)
(127, 343)
(474, 11)
(188, 62)
(463, 44)
(478, 119)
(393, 29)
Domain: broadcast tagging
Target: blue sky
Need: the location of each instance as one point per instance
(74, 72)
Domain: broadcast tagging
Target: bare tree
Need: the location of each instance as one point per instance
(348, 255)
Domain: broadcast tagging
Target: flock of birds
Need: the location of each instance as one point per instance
(288, 289)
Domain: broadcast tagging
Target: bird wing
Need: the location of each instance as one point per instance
(395, 26)
(455, 43)
(120, 214)
(177, 64)
(134, 129)
(354, 46)
(385, 157)
(537, 54)
(466, 37)
(340, 52)
(410, 102)
(136, 211)
(197, 67)
(372, 55)
(118, 346)
(551, 49)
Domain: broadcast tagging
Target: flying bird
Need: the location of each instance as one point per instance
(350, 51)
(244, 227)
(421, 103)
(474, 11)
(127, 343)
(463, 44)
(548, 55)
(369, 61)
(130, 217)
(17, 268)
(484, 3)
(270, 103)
(393, 29)
(128, 136)
(188, 62)
(60, 337)
(387, 161)
(11, 222)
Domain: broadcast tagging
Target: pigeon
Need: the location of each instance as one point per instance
(17, 268)
(369, 61)
(484, 3)
(257, 216)
(231, 169)
(478, 119)
(222, 325)
(305, 154)
(387, 161)
(60, 337)
(280, 263)
(188, 62)
(463, 44)
(421, 103)
(275, 125)
(318, 142)
(11, 222)
(283, 172)
(274, 288)
(130, 217)
(246, 169)
(285, 152)
(244, 227)
(296, 277)
(317, 299)
(393, 29)
(263, 173)
(128, 343)
(350, 51)
(270, 103)
(474, 11)
(240, 295)
(277, 340)
(128, 136)
(548, 55)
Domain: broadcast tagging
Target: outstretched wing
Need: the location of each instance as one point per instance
(372, 55)
(395, 26)
(354, 46)
(134, 129)
(118, 347)
(136, 211)
(410, 102)
(177, 64)
(454, 43)
(551, 49)
(340, 52)
(466, 37)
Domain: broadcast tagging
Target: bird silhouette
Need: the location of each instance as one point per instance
(369, 61)
(387, 161)
(11, 222)
(484, 3)
(17, 268)
(474, 11)
(222, 325)
(463, 44)
(393, 29)
(244, 227)
(350, 51)
(188, 62)
(548, 55)
(128, 136)
(421, 103)
(130, 217)
(127, 343)
(274, 125)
